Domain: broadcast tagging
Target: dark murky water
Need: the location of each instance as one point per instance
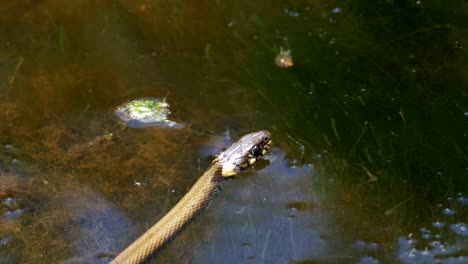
(370, 129)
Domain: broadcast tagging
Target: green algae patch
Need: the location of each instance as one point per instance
(146, 112)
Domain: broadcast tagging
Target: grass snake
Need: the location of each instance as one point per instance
(235, 159)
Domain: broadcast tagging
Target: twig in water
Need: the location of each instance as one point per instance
(12, 78)
(291, 238)
(372, 177)
(358, 139)
(301, 147)
(335, 130)
(390, 211)
(265, 245)
(402, 115)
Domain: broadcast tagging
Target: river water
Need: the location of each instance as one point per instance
(369, 163)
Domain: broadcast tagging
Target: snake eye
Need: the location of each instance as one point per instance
(255, 150)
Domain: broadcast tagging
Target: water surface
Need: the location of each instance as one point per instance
(369, 126)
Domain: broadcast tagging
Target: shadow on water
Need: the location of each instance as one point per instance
(369, 126)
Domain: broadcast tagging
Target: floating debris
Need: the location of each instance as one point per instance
(12, 78)
(146, 112)
(284, 59)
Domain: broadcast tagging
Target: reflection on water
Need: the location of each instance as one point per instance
(369, 126)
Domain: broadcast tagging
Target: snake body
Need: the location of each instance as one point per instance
(228, 163)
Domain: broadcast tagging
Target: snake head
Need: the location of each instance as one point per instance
(245, 152)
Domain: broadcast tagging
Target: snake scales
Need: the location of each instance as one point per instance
(228, 163)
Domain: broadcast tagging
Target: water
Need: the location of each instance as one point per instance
(369, 127)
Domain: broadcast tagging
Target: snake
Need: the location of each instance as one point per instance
(239, 157)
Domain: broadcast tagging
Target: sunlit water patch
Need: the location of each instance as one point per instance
(444, 241)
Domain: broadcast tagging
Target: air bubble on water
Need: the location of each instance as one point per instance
(372, 246)
(448, 211)
(336, 10)
(438, 224)
(424, 230)
(463, 200)
(407, 253)
(291, 13)
(446, 249)
(360, 244)
(460, 229)
(366, 246)
(426, 236)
